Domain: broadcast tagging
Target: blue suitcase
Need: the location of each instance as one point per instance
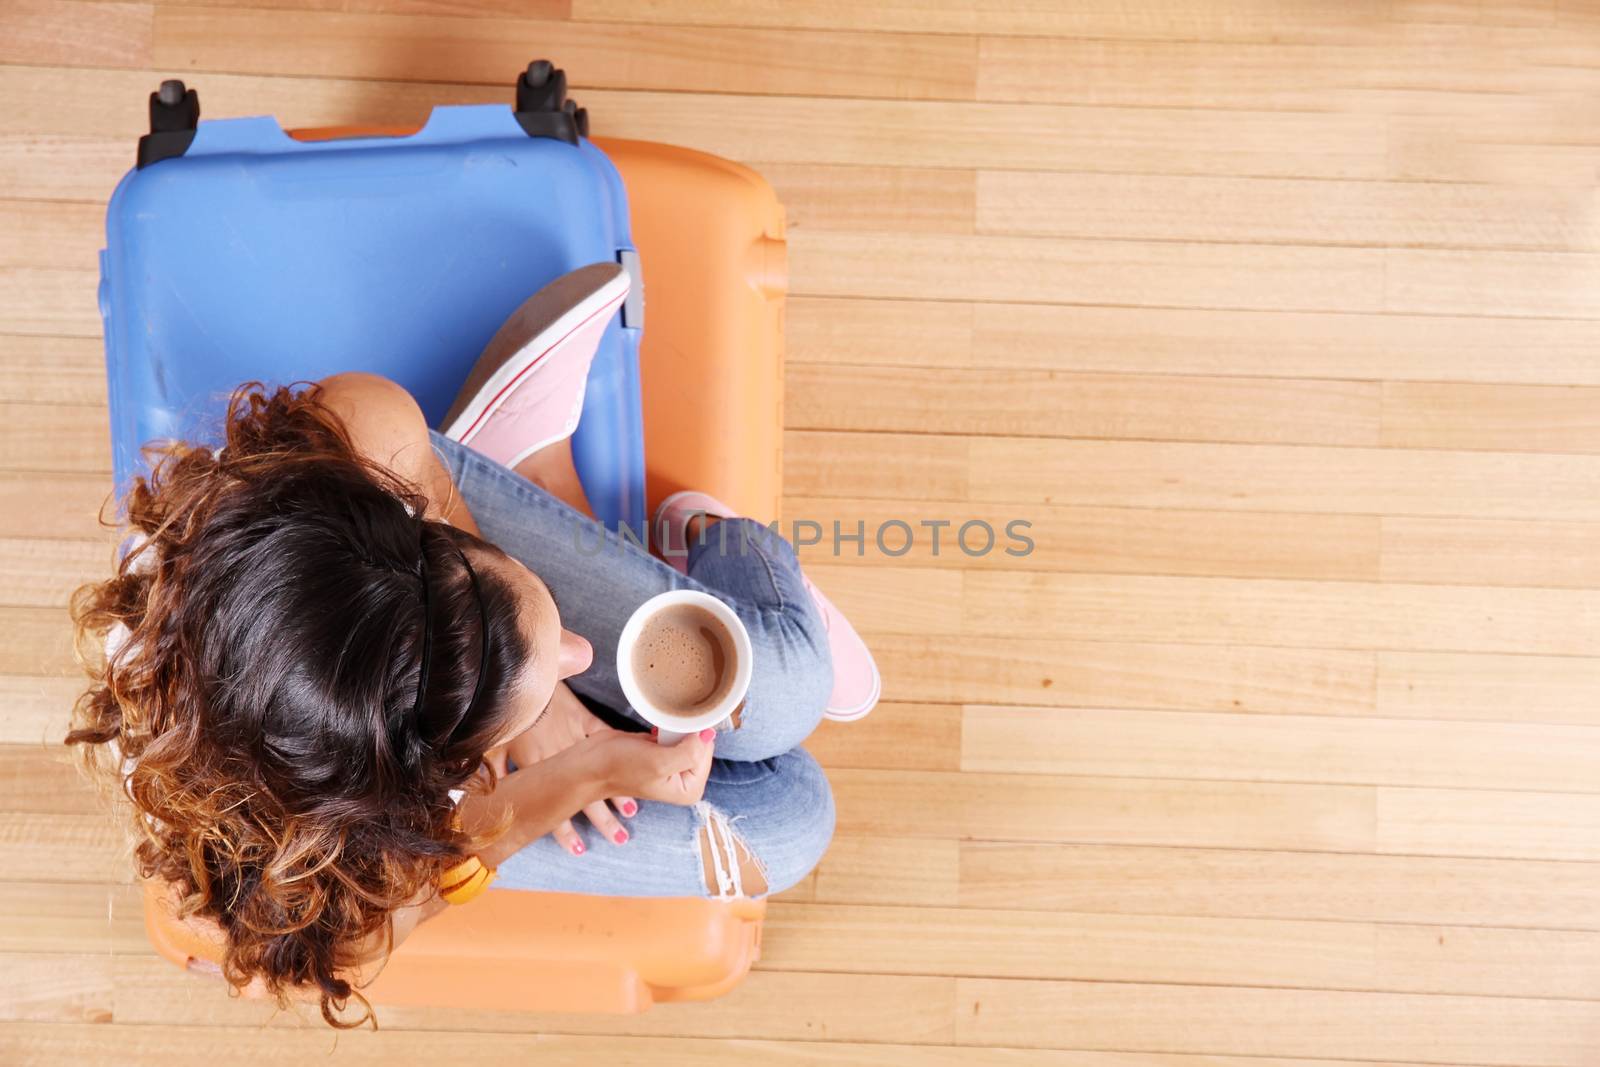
(236, 252)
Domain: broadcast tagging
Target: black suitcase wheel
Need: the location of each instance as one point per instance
(538, 72)
(543, 109)
(174, 117)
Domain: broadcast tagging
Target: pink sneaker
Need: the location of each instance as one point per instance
(526, 390)
(669, 531)
(856, 682)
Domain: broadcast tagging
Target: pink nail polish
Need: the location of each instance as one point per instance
(577, 848)
(708, 734)
(630, 808)
(621, 837)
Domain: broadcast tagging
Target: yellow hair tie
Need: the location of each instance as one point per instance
(467, 879)
(460, 872)
(471, 888)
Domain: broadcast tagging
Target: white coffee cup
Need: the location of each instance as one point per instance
(674, 728)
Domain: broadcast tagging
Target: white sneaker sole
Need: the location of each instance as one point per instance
(862, 710)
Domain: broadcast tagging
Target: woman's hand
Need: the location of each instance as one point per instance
(672, 774)
(563, 724)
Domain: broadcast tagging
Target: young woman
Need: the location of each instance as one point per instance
(345, 654)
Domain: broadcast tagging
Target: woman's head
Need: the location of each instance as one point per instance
(270, 631)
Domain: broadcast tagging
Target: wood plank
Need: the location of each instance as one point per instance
(1512, 1032)
(1538, 284)
(1100, 540)
(1219, 477)
(1134, 811)
(61, 917)
(1053, 403)
(54, 234)
(39, 572)
(767, 129)
(1071, 271)
(31, 1044)
(1124, 69)
(1266, 477)
(44, 779)
(545, 9)
(1539, 145)
(62, 166)
(36, 710)
(55, 437)
(38, 643)
(1187, 275)
(907, 872)
(51, 987)
(767, 1005)
(58, 303)
(1276, 211)
(36, 504)
(614, 55)
(1542, 13)
(960, 334)
(879, 466)
(52, 33)
(1348, 887)
(1352, 615)
(914, 199)
(1502, 418)
(1491, 552)
(1475, 686)
(1202, 19)
(53, 370)
(1143, 608)
(1038, 670)
(53, 101)
(1465, 822)
(87, 847)
(893, 601)
(911, 333)
(1068, 673)
(1193, 951)
(1279, 748)
(923, 737)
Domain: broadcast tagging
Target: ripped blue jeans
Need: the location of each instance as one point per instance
(763, 789)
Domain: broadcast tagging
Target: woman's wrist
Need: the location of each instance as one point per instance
(591, 768)
(541, 796)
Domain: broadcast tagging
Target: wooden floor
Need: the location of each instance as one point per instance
(1280, 322)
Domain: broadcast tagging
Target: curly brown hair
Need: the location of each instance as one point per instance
(253, 666)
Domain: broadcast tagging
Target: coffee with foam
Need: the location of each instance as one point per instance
(684, 660)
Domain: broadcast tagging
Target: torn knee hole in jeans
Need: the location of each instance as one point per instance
(730, 868)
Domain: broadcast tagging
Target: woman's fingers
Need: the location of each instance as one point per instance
(601, 817)
(627, 805)
(567, 837)
(702, 763)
